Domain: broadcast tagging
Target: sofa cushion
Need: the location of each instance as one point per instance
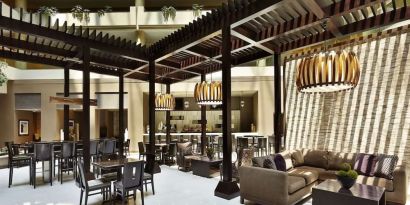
(327, 174)
(365, 164)
(310, 175)
(280, 162)
(295, 183)
(288, 159)
(336, 160)
(246, 157)
(269, 164)
(185, 148)
(385, 165)
(258, 161)
(316, 158)
(297, 158)
(376, 181)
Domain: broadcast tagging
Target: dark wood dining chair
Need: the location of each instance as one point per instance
(149, 175)
(42, 153)
(127, 147)
(66, 159)
(16, 160)
(132, 180)
(261, 145)
(92, 187)
(141, 150)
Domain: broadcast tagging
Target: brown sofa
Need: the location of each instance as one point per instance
(308, 168)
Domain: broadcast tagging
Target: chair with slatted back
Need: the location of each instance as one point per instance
(66, 159)
(141, 150)
(42, 153)
(15, 160)
(93, 186)
(132, 180)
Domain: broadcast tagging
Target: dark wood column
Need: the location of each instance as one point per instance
(66, 107)
(121, 112)
(226, 188)
(168, 119)
(278, 119)
(86, 108)
(151, 115)
(203, 122)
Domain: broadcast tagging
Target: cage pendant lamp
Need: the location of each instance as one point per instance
(208, 93)
(164, 102)
(326, 72)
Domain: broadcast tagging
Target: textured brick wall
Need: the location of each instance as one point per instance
(372, 118)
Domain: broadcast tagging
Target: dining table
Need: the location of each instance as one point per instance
(110, 164)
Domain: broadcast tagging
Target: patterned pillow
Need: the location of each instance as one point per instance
(385, 165)
(269, 163)
(280, 162)
(365, 164)
(246, 157)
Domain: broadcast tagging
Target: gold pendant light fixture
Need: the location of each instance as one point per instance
(328, 71)
(164, 102)
(208, 93)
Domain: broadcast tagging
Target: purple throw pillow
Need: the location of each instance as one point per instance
(365, 164)
(280, 162)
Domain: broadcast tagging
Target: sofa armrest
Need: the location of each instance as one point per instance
(400, 184)
(266, 186)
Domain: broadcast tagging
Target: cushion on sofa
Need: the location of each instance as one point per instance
(327, 174)
(336, 159)
(310, 175)
(185, 148)
(295, 184)
(269, 164)
(365, 164)
(280, 162)
(288, 159)
(376, 181)
(258, 161)
(297, 158)
(316, 158)
(385, 165)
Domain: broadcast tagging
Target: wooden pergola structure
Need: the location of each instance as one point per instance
(238, 32)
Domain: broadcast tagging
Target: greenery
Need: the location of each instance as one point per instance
(168, 12)
(47, 11)
(80, 13)
(197, 10)
(3, 77)
(210, 151)
(102, 12)
(347, 171)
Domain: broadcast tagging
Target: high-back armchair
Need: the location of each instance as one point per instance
(184, 155)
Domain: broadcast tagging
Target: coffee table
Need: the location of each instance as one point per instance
(330, 192)
(202, 166)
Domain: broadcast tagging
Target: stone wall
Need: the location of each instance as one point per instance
(373, 118)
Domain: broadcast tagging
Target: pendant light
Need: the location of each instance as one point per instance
(208, 93)
(186, 102)
(242, 103)
(164, 101)
(328, 71)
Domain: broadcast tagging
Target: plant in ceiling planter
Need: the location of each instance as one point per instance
(197, 10)
(168, 12)
(3, 77)
(103, 11)
(47, 11)
(80, 13)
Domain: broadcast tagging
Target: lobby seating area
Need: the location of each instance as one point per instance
(214, 102)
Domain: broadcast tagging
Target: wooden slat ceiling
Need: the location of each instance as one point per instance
(259, 28)
(262, 27)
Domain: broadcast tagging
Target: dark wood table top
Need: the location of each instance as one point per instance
(206, 159)
(373, 193)
(113, 163)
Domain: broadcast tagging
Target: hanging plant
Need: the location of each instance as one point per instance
(168, 12)
(102, 12)
(86, 16)
(77, 12)
(47, 11)
(197, 10)
(3, 77)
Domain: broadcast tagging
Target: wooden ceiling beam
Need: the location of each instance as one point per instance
(320, 13)
(244, 35)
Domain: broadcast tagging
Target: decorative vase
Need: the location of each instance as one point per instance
(346, 182)
(210, 156)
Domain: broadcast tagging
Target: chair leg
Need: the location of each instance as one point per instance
(10, 175)
(81, 197)
(34, 174)
(123, 196)
(86, 197)
(51, 173)
(152, 185)
(142, 195)
(242, 200)
(146, 187)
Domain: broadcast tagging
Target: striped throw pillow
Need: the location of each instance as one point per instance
(365, 164)
(385, 165)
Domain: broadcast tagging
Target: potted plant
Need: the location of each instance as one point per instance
(47, 11)
(3, 77)
(79, 13)
(102, 12)
(197, 10)
(346, 176)
(168, 12)
(210, 152)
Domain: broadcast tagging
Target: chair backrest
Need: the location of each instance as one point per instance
(172, 149)
(243, 142)
(42, 151)
(133, 174)
(127, 143)
(10, 151)
(108, 147)
(141, 147)
(220, 140)
(262, 142)
(67, 149)
(83, 181)
(94, 147)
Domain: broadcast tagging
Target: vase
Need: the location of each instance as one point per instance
(346, 182)
(210, 156)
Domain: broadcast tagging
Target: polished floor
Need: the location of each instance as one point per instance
(172, 187)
